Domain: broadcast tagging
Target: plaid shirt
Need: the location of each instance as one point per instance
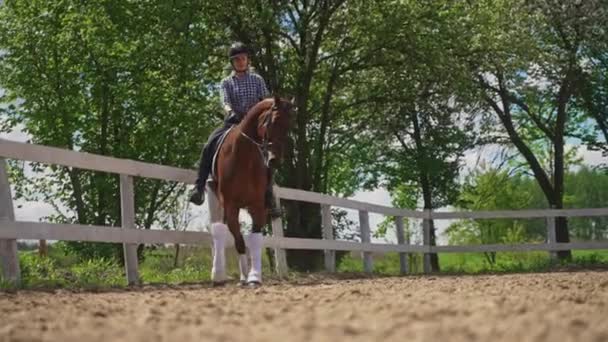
(242, 93)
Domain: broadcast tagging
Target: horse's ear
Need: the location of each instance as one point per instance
(277, 99)
(293, 100)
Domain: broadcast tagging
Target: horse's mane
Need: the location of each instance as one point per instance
(259, 107)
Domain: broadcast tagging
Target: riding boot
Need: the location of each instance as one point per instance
(197, 196)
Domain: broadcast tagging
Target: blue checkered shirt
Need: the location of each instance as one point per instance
(242, 93)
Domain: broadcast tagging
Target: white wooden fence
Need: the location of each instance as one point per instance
(10, 230)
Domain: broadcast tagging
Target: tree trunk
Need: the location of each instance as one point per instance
(176, 258)
(553, 192)
(561, 223)
(425, 184)
(43, 250)
(319, 167)
(304, 221)
(298, 171)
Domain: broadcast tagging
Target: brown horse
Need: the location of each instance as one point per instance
(244, 164)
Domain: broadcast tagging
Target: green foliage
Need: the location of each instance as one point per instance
(92, 250)
(159, 267)
(97, 272)
(195, 267)
(418, 132)
(47, 272)
(389, 93)
(497, 190)
(405, 196)
(39, 272)
(126, 79)
(492, 190)
(588, 188)
(477, 263)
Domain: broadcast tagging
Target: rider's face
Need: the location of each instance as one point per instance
(240, 62)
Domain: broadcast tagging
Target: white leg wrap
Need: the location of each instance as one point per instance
(219, 231)
(243, 267)
(255, 249)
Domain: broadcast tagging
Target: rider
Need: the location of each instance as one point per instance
(239, 92)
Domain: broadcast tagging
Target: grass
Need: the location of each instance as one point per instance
(194, 265)
(59, 270)
(476, 263)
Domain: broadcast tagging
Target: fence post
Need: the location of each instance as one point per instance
(280, 259)
(127, 211)
(426, 240)
(9, 258)
(328, 234)
(551, 236)
(403, 269)
(368, 265)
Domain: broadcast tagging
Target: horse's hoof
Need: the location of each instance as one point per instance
(243, 283)
(254, 284)
(218, 283)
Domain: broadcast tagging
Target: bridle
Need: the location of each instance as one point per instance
(264, 146)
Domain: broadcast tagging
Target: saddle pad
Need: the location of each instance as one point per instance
(216, 152)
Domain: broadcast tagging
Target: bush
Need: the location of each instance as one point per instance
(97, 273)
(37, 271)
(93, 250)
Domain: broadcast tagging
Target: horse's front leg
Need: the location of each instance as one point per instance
(219, 233)
(232, 218)
(258, 216)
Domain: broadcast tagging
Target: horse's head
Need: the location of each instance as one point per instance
(274, 125)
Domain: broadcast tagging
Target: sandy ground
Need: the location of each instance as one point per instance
(530, 307)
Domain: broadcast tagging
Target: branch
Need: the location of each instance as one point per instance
(401, 141)
(293, 43)
(293, 18)
(536, 119)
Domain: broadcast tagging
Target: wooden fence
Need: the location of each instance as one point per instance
(11, 230)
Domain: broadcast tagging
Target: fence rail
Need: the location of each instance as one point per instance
(11, 230)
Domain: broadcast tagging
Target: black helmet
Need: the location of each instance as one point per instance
(236, 49)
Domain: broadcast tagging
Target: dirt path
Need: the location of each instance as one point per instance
(531, 307)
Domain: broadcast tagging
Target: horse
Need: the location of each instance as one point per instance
(243, 168)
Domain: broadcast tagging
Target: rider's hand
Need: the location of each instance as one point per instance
(233, 118)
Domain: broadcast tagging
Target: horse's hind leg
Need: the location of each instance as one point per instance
(258, 216)
(232, 218)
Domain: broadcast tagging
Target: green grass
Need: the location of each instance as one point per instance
(50, 272)
(158, 267)
(194, 265)
(476, 263)
(65, 271)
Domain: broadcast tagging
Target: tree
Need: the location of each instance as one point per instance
(526, 61)
(420, 125)
(587, 188)
(123, 79)
(177, 217)
(309, 49)
(492, 189)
